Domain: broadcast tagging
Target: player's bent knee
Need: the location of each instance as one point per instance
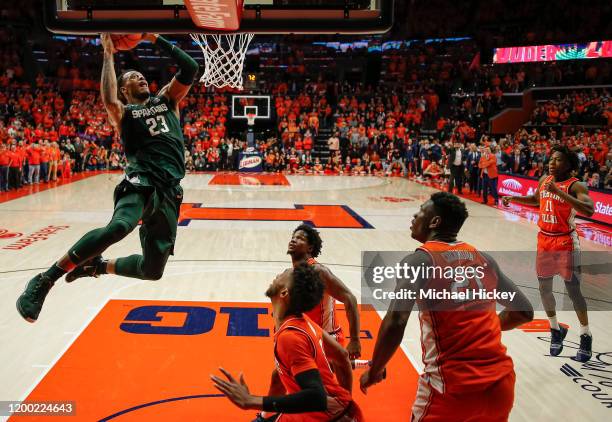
(153, 274)
(118, 229)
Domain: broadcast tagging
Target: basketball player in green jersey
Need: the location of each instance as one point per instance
(152, 138)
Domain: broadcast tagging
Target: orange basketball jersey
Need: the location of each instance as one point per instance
(556, 215)
(298, 347)
(461, 345)
(324, 314)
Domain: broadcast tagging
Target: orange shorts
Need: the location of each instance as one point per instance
(558, 255)
(492, 404)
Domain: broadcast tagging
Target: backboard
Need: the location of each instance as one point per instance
(258, 16)
(242, 105)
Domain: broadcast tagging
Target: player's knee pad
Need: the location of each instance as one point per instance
(118, 229)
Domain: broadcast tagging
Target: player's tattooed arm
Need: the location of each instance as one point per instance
(533, 200)
(108, 84)
(339, 291)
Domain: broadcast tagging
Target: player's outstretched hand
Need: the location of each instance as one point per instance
(107, 43)
(237, 392)
(506, 200)
(368, 379)
(354, 349)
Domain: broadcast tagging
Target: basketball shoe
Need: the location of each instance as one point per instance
(31, 300)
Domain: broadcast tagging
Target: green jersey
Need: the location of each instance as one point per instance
(153, 141)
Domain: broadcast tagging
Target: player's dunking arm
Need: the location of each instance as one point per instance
(517, 311)
(108, 84)
(533, 200)
(393, 325)
(338, 290)
(180, 84)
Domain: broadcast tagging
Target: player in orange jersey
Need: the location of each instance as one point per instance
(314, 392)
(559, 196)
(304, 246)
(467, 374)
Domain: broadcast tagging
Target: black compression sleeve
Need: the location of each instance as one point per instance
(311, 397)
(188, 67)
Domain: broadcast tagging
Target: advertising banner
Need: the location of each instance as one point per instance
(545, 53)
(250, 161)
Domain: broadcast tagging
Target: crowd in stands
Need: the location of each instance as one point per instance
(45, 137)
(577, 108)
(54, 125)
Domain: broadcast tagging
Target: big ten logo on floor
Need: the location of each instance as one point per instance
(194, 320)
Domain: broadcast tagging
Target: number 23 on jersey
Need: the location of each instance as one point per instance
(157, 125)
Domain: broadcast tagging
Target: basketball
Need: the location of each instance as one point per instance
(126, 41)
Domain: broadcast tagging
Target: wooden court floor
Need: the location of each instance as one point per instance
(130, 350)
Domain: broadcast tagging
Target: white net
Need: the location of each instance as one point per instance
(223, 58)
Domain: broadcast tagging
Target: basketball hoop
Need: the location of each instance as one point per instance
(251, 118)
(223, 58)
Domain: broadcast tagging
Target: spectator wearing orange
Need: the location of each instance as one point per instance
(23, 161)
(307, 142)
(313, 122)
(45, 157)
(15, 164)
(66, 167)
(33, 153)
(358, 168)
(270, 160)
(299, 145)
(600, 154)
(488, 166)
(433, 170)
(212, 159)
(317, 167)
(54, 159)
(553, 115)
(348, 167)
(5, 160)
